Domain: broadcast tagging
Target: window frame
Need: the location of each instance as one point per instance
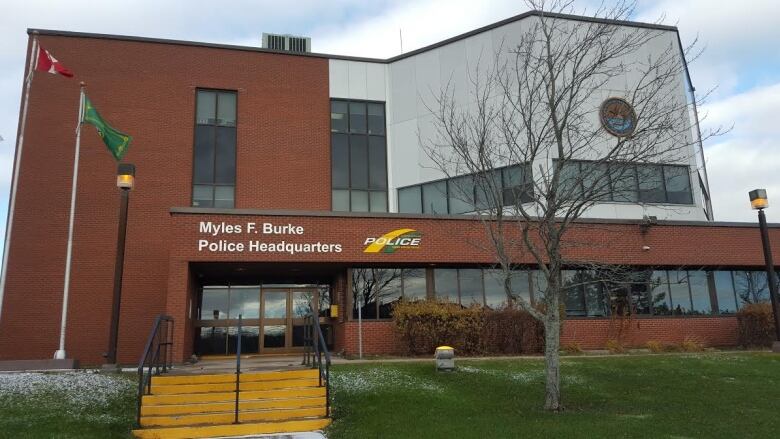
(213, 184)
(367, 135)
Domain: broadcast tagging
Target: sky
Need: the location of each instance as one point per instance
(739, 69)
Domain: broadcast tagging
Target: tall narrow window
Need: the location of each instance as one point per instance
(358, 156)
(214, 157)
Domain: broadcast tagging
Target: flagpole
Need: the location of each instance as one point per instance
(17, 164)
(60, 354)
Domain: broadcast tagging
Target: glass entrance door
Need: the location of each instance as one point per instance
(283, 312)
(272, 318)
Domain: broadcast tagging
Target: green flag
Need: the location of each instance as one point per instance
(116, 141)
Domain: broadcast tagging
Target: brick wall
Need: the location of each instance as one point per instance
(148, 91)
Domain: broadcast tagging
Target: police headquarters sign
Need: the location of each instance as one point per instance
(219, 237)
(254, 237)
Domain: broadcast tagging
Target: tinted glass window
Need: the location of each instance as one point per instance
(623, 180)
(357, 117)
(724, 289)
(206, 108)
(358, 158)
(359, 201)
(445, 281)
(378, 201)
(651, 184)
(471, 286)
(595, 181)
(340, 200)
(203, 162)
(495, 293)
(700, 292)
(377, 163)
(678, 287)
(678, 185)
(338, 117)
(596, 302)
(570, 185)
(659, 293)
(520, 284)
(516, 188)
(214, 150)
(410, 200)
(358, 151)
(461, 194)
(489, 190)
(376, 119)
(414, 284)
(214, 303)
(539, 285)
(339, 160)
(225, 165)
(751, 287)
(244, 301)
(573, 293)
(226, 109)
(640, 296)
(434, 197)
(389, 291)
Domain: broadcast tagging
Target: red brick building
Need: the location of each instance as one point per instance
(243, 204)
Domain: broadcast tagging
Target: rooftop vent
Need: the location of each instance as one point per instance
(286, 43)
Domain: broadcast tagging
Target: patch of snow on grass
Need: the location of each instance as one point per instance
(373, 379)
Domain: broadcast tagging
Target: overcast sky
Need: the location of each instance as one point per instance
(741, 61)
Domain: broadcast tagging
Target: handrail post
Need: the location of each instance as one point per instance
(238, 367)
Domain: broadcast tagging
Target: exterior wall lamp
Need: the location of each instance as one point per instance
(759, 201)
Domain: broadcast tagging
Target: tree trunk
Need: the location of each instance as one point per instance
(552, 360)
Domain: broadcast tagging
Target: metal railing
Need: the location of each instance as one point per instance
(314, 348)
(157, 357)
(238, 368)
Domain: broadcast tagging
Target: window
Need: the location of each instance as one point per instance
(623, 180)
(445, 282)
(376, 290)
(678, 185)
(358, 156)
(466, 193)
(214, 155)
(470, 281)
(434, 197)
(574, 296)
(495, 294)
(651, 184)
(751, 287)
(724, 290)
(700, 292)
(680, 293)
(658, 289)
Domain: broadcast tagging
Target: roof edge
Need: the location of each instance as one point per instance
(63, 33)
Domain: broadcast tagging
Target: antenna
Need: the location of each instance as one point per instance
(401, 37)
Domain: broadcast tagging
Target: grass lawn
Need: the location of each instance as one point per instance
(66, 405)
(705, 395)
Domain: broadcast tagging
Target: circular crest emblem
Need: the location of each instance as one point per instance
(618, 117)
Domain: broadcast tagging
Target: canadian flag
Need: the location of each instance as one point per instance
(48, 63)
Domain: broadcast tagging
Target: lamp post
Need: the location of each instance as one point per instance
(125, 180)
(759, 201)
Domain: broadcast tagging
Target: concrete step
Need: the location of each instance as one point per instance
(186, 398)
(210, 407)
(177, 389)
(231, 377)
(227, 417)
(211, 431)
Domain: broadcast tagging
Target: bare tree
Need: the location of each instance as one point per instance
(578, 103)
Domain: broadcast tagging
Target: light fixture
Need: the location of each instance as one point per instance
(758, 199)
(125, 176)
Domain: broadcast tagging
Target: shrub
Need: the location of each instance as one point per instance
(756, 325)
(424, 325)
(692, 344)
(615, 347)
(572, 348)
(654, 346)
